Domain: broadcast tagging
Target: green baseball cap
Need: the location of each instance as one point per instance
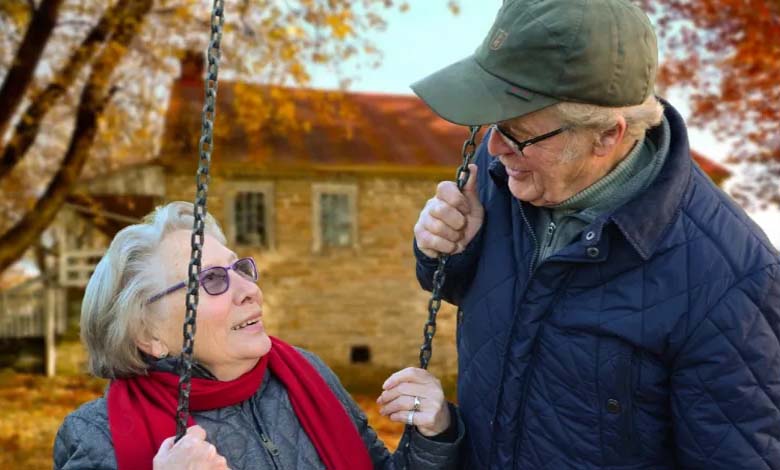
(541, 52)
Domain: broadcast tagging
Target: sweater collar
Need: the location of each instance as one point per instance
(600, 192)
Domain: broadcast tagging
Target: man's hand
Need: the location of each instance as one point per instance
(451, 219)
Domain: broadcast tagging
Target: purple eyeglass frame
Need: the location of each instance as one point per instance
(183, 284)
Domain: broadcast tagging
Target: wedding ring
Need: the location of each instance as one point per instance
(416, 406)
(410, 418)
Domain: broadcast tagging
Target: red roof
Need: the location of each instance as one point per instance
(716, 171)
(346, 131)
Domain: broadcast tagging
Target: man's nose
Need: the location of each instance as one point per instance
(497, 146)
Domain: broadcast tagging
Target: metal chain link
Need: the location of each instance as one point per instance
(461, 177)
(205, 147)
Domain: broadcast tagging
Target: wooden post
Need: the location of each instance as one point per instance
(50, 308)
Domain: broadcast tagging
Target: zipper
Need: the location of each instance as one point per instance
(550, 233)
(458, 325)
(534, 356)
(514, 322)
(269, 445)
(266, 441)
(535, 255)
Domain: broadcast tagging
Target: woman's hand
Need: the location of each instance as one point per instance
(432, 416)
(190, 453)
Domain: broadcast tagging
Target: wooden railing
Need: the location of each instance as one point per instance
(24, 308)
(77, 266)
(35, 309)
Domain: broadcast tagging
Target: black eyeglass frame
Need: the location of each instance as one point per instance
(205, 272)
(518, 146)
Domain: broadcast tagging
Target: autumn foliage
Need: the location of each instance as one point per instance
(725, 55)
(83, 85)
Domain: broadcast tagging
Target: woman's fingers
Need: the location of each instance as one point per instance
(429, 419)
(192, 451)
(403, 403)
(196, 431)
(397, 401)
(410, 374)
(413, 390)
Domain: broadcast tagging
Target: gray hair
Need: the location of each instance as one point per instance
(114, 313)
(597, 119)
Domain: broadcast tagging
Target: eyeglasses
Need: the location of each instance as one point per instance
(215, 280)
(518, 146)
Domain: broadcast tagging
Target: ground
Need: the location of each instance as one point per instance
(33, 407)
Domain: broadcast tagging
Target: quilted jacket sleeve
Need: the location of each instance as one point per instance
(83, 443)
(726, 381)
(421, 453)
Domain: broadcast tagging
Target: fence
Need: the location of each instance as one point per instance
(34, 310)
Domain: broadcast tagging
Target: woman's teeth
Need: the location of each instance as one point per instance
(245, 324)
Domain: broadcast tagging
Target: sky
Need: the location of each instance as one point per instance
(428, 37)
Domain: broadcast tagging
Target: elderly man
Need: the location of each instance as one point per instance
(617, 310)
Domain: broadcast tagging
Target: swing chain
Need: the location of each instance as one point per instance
(205, 147)
(434, 304)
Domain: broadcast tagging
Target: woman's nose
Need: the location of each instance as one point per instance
(244, 289)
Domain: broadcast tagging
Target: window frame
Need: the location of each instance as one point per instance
(243, 186)
(317, 190)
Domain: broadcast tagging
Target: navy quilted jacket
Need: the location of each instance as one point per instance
(653, 342)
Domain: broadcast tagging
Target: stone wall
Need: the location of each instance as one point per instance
(337, 299)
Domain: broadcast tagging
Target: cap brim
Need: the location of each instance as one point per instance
(464, 93)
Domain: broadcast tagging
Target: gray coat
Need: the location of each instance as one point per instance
(260, 433)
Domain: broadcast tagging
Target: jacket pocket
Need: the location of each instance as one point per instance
(618, 377)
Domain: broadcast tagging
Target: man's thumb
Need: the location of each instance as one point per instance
(470, 188)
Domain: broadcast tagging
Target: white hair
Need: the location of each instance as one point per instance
(594, 120)
(114, 313)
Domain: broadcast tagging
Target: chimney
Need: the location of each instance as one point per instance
(192, 68)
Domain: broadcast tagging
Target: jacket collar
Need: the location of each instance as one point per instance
(645, 219)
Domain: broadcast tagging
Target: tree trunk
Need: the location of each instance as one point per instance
(93, 100)
(29, 124)
(27, 56)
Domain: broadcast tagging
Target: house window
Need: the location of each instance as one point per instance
(249, 210)
(250, 214)
(335, 220)
(360, 354)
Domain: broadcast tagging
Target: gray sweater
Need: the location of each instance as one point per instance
(259, 433)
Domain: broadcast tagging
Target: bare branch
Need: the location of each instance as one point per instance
(29, 124)
(91, 105)
(27, 56)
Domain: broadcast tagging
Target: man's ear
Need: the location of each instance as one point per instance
(609, 140)
(153, 347)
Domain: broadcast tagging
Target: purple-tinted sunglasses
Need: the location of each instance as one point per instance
(215, 280)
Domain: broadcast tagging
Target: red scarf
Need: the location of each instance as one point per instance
(142, 409)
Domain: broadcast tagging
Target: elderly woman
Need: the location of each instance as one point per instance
(257, 402)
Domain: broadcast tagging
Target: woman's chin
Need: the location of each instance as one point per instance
(264, 344)
(252, 347)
